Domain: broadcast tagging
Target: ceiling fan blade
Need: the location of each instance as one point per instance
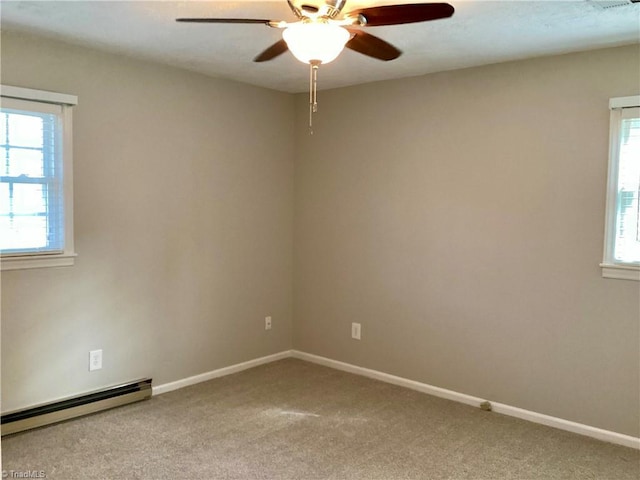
(372, 46)
(272, 52)
(399, 14)
(223, 20)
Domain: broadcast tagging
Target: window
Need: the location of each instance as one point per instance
(622, 225)
(36, 211)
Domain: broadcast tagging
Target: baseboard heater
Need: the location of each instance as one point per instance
(45, 414)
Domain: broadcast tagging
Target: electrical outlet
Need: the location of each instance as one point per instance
(267, 323)
(355, 331)
(95, 360)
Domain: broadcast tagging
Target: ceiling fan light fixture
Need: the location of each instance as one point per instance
(319, 35)
(315, 42)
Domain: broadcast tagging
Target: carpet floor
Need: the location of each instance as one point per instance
(295, 420)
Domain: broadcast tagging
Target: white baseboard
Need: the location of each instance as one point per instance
(579, 428)
(569, 426)
(574, 427)
(221, 372)
(385, 377)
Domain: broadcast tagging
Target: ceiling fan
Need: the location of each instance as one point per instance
(318, 36)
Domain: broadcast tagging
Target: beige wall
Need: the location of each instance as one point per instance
(459, 218)
(183, 222)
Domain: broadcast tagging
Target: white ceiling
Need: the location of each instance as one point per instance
(480, 32)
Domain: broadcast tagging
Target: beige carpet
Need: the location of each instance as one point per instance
(295, 420)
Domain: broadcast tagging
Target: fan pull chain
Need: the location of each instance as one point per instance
(313, 92)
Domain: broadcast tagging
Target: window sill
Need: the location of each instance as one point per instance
(621, 272)
(37, 261)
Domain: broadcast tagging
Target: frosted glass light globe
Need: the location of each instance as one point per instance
(321, 42)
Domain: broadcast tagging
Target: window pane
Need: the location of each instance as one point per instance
(627, 244)
(4, 199)
(32, 189)
(29, 199)
(3, 128)
(25, 130)
(26, 162)
(23, 233)
(29, 152)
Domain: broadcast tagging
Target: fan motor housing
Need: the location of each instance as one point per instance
(329, 8)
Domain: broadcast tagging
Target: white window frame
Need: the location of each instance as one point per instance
(611, 268)
(67, 256)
